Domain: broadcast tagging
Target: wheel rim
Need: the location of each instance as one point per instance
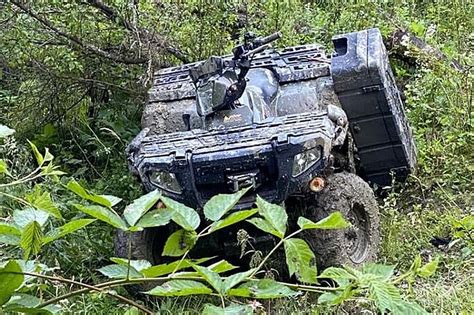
(358, 234)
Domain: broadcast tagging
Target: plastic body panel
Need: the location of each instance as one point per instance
(365, 86)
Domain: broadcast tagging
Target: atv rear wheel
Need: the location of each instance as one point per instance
(353, 246)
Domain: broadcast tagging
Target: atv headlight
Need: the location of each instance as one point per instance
(166, 181)
(306, 159)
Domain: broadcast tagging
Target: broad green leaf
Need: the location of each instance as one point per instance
(428, 269)
(233, 309)
(222, 266)
(10, 280)
(262, 289)
(182, 215)
(119, 272)
(22, 218)
(385, 295)
(265, 226)
(180, 288)
(112, 199)
(155, 218)
(4, 167)
(384, 272)
(139, 265)
(179, 243)
(235, 279)
(76, 188)
(47, 155)
(134, 211)
(220, 204)
(103, 214)
(334, 221)
(66, 229)
(5, 131)
(412, 308)
(232, 219)
(28, 304)
(340, 275)
(164, 269)
(42, 201)
(338, 297)
(416, 264)
(31, 239)
(274, 214)
(39, 157)
(300, 260)
(6, 228)
(211, 277)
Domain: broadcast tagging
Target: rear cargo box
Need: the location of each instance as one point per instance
(365, 86)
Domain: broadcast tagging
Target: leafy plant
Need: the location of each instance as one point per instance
(186, 276)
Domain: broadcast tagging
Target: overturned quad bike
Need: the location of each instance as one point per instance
(297, 126)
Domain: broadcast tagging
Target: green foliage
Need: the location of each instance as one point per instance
(179, 243)
(180, 288)
(219, 205)
(300, 260)
(140, 206)
(11, 279)
(84, 108)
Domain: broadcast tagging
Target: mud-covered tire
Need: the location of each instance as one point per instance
(145, 245)
(353, 246)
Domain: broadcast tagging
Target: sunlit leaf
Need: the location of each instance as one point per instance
(222, 266)
(112, 199)
(235, 279)
(300, 260)
(233, 309)
(334, 221)
(428, 269)
(274, 214)
(39, 157)
(76, 188)
(42, 201)
(31, 239)
(139, 265)
(180, 288)
(119, 272)
(211, 277)
(155, 218)
(232, 219)
(384, 272)
(6, 228)
(4, 167)
(265, 226)
(179, 243)
(103, 214)
(5, 131)
(10, 280)
(182, 215)
(220, 204)
(134, 211)
(28, 304)
(262, 289)
(66, 229)
(164, 269)
(22, 218)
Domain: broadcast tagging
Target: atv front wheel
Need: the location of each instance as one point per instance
(355, 245)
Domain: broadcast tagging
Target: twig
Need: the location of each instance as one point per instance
(75, 41)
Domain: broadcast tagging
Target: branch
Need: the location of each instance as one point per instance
(160, 42)
(401, 40)
(75, 41)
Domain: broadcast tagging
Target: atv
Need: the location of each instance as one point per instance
(295, 126)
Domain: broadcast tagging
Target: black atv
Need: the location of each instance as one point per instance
(295, 125)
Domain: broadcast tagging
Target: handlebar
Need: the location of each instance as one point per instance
(270, 38)
(255, 51)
